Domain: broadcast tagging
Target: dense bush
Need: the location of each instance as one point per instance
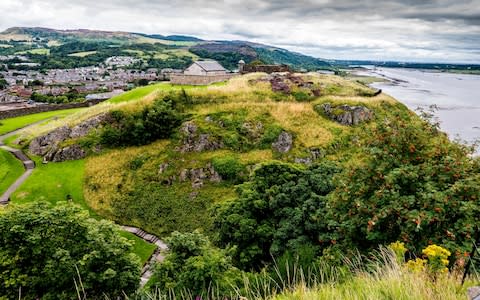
(229, 168)
(139, 128)
(414, 186)
(46, 251)
(282, 208)
(194, 265)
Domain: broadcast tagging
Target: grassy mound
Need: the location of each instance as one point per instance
(146, 186)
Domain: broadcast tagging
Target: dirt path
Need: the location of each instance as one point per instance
(29, 165)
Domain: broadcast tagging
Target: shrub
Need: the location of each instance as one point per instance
(45, 251)
(194, 265)
(415, 186)
(228, 167)
(153, 122)
(280, 209)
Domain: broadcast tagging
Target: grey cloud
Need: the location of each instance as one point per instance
(402, 29)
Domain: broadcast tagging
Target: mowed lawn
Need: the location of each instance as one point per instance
(12, 124)
(54, 182)
(10, 170)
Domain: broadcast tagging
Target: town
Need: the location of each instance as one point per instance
(21, 88)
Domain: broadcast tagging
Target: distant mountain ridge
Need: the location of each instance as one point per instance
(226, 52)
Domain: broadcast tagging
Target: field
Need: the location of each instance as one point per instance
(82, 54)
(40, 51)
(12, 124)
(10, 170)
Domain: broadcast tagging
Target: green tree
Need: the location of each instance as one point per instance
(47, 252)
(193, 264)
(281, 209)
(414, 186)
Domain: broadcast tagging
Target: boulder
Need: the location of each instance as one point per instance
(195, 142)
(48, 145)
(284, 142)
(72, 152)
(347, 115)
(49, 142)
(199, 175)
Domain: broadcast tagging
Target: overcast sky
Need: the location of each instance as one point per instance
(413, 30)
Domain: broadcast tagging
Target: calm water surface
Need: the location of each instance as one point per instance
(456, 95)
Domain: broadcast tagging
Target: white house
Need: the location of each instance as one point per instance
(205, 68)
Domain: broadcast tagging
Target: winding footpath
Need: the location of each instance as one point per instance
(158, 254)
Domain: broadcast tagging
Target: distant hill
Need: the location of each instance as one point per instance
(154, 48)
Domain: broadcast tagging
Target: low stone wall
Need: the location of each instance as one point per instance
(198, 79)
(44, 108)
(265, 69)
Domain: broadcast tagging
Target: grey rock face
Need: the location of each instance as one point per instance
(200, 175)
(85, 127)
(195, 142)
(48, 145)
(284, 142)
(347, 115)
(72, 152)
(44, 144)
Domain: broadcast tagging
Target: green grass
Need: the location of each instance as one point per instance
(141, 248)
(40, 51)
(139, 93)
(53, 182)
(10, 170)
(12, 124)
(82, 54)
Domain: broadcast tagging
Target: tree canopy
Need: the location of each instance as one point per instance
(54, 252)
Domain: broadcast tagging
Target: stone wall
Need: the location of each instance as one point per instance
(264, 68)
(198, 79)
(44, 108)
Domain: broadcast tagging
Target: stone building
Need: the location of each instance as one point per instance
(205, 68)
(202, 72)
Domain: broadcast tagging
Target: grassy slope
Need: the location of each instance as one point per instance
(161, 208)
(19, 122)
(10, 170)
(143, 197)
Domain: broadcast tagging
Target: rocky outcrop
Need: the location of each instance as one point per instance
(85, 127)
(200, 175)
(72, 152)
(49, 145)
(313, 155)
(193, 141)
(284, 142)
(45, 144)
(347, 115)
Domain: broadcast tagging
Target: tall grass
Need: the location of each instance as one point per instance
(378, 277)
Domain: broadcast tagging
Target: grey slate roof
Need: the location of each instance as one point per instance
(210, 65)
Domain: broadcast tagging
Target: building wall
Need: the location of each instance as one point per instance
(194, 69)
(216, 73)
(199, 79)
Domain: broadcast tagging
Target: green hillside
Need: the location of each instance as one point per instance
(77, 48)
(256, 180)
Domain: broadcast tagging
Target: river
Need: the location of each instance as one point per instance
(457, 97)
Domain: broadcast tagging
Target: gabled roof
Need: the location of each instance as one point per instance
(210, 65)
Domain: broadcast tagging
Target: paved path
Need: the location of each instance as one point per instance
(29, 165)
(157, 256)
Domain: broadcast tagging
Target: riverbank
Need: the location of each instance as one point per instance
(456, 96)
